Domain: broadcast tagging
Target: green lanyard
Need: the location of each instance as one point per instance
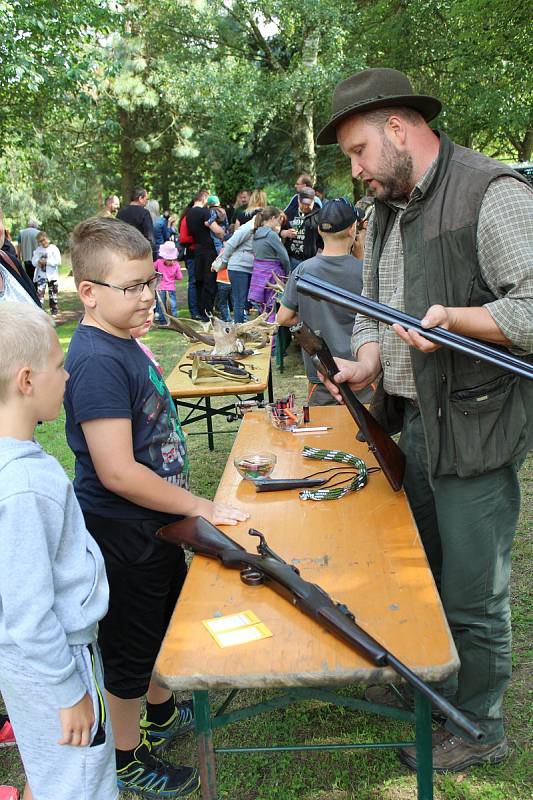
(359, 480)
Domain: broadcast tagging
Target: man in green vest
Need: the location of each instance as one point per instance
(450, 242)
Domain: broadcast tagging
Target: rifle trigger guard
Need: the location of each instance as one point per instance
(252, 577)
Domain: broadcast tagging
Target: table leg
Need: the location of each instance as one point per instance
(424, 758)
(206, 752)
(209, 422)
(270, 386)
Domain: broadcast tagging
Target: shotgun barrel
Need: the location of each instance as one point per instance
(323, 290)
(200, 536)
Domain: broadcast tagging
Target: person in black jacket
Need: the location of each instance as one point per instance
(300, 232)
(137, 215)
(15, 283)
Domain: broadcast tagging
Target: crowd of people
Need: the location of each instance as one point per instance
(222, 247)
(87, 590)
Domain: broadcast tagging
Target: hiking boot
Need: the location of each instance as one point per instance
(398, 697)
(7, 736)
(452, 753)
(180, 724)
(151, 777)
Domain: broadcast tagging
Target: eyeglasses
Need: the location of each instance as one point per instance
(137, 289)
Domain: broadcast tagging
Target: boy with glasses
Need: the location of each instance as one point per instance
(132, 477)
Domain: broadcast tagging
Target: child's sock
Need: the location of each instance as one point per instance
(159, 713)
(124, 757)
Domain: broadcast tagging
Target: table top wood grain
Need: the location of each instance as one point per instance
(363, 549)
(180, 385)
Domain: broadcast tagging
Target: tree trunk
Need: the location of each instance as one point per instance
(303, 138)
(127, 164)
(526, 147)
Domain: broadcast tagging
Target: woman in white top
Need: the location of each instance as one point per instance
(47, 259)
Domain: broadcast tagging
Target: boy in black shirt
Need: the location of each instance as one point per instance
(132, 474)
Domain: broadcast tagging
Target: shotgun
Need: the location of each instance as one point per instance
(387, 453)
(323, 290)
(200, 536)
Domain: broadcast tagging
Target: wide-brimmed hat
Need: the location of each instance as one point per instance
(374, 88)
(168, 251)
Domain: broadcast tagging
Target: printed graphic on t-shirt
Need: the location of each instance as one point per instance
(296, 245)
(167, 449)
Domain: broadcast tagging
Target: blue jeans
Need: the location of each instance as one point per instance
(192, 292)
(171, 294)
(240, 284)
(295, 262)
(222, 300)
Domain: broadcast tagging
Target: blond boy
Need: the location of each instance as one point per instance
(53, 587)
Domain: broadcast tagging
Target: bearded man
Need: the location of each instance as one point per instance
(451, 242)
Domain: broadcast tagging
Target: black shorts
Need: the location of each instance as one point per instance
(145, 578)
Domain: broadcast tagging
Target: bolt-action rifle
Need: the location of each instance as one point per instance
(388, 455)
(200, 536)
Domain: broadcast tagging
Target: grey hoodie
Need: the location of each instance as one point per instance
(268, 247)
(238, 253)
(53, 586)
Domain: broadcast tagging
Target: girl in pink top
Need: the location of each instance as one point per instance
(167, 264)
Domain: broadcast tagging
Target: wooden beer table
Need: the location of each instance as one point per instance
(363, 549)
(196, 397)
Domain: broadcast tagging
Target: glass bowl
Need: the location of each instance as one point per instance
(255, 465)
(282, 420)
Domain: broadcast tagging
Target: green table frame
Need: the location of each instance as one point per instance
(207, 722)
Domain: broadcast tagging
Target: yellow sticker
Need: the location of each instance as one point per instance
(236, 629)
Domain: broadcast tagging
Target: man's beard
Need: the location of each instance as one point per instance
(396, 178)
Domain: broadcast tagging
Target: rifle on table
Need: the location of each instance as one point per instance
(388, 455)
(323, 290)
(200, 536)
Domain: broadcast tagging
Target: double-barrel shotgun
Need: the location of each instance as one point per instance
(323, 290)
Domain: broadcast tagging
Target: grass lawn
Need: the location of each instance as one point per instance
(371, 775)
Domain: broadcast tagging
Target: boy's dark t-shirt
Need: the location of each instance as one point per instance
(113, 378)
(196, 219)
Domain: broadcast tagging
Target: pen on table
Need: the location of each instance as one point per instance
(316, 429)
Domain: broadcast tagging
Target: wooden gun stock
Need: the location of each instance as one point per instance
(388, 455)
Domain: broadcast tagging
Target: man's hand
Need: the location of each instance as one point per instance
(76, 723)
(288, 233)
(436, 316)
(357, 374)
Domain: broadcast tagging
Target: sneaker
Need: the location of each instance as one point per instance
(397, 697)
(7, 736)
(151, 777)
(180, 724)
(452, 753)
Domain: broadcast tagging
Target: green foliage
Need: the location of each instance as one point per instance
(183, 93)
